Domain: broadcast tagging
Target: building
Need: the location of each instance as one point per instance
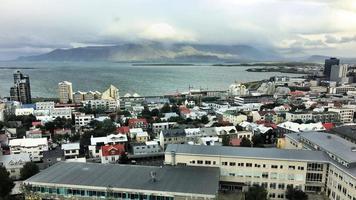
(21, 91)
(138, 123)
(99, 181)
(112, 93)
(71, 150)
(24, 111)
(65, 112)
(328, 64)
(338, 73)
(14, 163)
(158, 127)
(33, 146)
(304, 116)
(98, 142)
(253, 99)
(233, 117)
(346, 115)
(346, 132)
(172, 136)
(146, 148)
(78, 97)
(82, 119)
(102, 104)
(111, 153)
(292, 127)
(48, 105)
(142, 136)
(65, 92)
(241, 167)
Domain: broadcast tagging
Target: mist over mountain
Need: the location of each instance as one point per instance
(159, 52)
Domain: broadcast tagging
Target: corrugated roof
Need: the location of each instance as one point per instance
(193, 180)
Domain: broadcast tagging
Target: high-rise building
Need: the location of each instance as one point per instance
(327, 67)
(338, 73)
(65, 92)
(112, 93)
(21, 91)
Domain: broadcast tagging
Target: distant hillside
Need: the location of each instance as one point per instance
(158, 52)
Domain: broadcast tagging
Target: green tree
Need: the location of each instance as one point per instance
(226, 140)
(28, 170)
(256, 193)
(258, 140)
(146, 113)
(123, 159)
(166, 108)
(204, 119)
(245, 142)
(295, 194)
(6, 184)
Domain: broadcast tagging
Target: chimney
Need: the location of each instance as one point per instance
(153, 176)
(173, 158)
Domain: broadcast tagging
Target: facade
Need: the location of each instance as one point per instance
(112, 93)
(142, 136)
(65, 112)
(21, 91)
(172, 136)
(304, 116)
(233, 117)
(158, 127)
(82, 119)
(98, 142)
(253, 99)
(49, 105)
(326, 117)
(33, 146)
(138, 123)
(327, 67)
(24, 111)
(102, 104)
(338, 73)
(149, 147)
(65, 92)
(80, 181)
(241, 167)
(71, 150)
(346, 115)
(14, 163)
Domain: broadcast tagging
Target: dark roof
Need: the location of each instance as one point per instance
(173, 132)
(55, 153)
(346, 131)
(191, 180)
(245, 152)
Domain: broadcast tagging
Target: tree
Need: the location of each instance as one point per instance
(204, 119)
(245, 142)
(28, 170)
(146, 113)
(226, 140)
(258, 140)
(123, 159)
(166, 108)
(6, 184)
(296, 194)
(256, 193)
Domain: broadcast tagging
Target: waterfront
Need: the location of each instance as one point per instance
(129, 78)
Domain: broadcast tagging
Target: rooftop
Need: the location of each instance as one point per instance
(70, 146)
(334, 144)
(244, 152)
(189, 180)
(28, 142)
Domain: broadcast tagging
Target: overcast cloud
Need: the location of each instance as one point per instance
(29, 27)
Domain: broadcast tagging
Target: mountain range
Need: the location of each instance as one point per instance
(160, 52)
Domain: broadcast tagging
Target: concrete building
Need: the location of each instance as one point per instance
(146, 148)
(82, 119)
(21, 91)
(338, 73)
(304, 116)
(158, 127)
(78, 97)
(14, 163)
(102, 104)
(172, 136)
(65, 112)
(233, 117)
(81, 180)
(33, 146)
(71, 150)
(65, 92)
(346, 115)
(24, 111)
(48, 105)
(112, 93)
(111, 153)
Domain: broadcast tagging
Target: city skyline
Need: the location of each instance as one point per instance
(293, 28)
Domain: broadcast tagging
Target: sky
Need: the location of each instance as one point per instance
(292, 27)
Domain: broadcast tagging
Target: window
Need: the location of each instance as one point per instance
(208, 162)
(272, 185)
(248, 164)
(257, 165)
(291, 167)
(200, 162)
(232, 164)
(224, 163)
(265, 175)
(274, 166)
(300, 168)
(281, 186)
(240, 164)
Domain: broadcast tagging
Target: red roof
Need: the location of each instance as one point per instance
(133, 122)
(328, 126)
(123, 130)
(36, 123)
(112, 150)
(297, 93)
(235, 141)
(184, 110)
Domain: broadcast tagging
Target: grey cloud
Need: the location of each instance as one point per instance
(334, 40)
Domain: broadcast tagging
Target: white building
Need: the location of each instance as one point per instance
(14, 163)
(33, 146)
(338, 73)
(48, 105)
(292, 127)
(234, 118)
(24, 111)
(82, 119)
(65, 92)
(102, 104)
(304, 116)
(71, 150)
(149, 147)
(346, 114)
(65, 112)
(157, 127)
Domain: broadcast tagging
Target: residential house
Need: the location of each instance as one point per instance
(71, 150)
(33, 146)
(111, 153)
(14, 163)
(172, 136)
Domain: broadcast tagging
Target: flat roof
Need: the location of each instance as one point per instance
(246, 152)
(190, 180)
(334, 144)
